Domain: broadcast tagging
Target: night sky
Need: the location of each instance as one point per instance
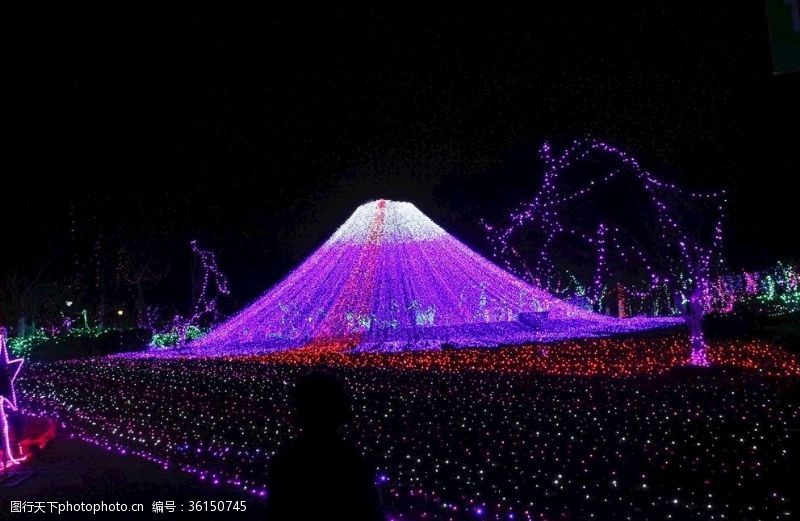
(259, 130)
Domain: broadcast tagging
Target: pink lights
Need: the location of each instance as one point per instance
(699, 357)
(9, 369)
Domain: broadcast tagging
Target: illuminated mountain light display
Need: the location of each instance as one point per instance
(391, 279)
(618, 427)
(527, 262)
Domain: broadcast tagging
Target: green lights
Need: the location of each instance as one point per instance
(26, 346)
(172, 338)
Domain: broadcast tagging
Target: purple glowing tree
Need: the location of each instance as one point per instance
(671, 245)
(208, 285)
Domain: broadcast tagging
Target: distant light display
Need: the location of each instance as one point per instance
(603, 428)
(27, 345)
(390, 279)
(772, 292)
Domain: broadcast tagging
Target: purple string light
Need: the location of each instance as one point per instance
(690, 260)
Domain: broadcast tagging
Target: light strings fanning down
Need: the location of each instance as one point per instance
(391, 279)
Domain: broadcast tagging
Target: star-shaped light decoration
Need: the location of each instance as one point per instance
(8, 373)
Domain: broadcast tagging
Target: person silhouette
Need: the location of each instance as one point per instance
(320, 475)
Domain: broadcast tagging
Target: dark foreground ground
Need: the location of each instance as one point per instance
(70, 470)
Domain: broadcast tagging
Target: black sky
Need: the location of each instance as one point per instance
(258, 130)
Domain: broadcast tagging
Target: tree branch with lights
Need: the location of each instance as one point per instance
(666, 250)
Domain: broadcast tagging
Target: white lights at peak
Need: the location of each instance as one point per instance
(387, 222)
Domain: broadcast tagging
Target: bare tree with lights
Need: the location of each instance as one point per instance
(670, 243)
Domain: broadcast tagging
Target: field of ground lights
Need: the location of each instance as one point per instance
(597, 428)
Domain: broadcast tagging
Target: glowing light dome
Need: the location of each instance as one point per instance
(391, 279)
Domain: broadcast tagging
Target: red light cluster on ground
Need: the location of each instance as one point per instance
(585, 357)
